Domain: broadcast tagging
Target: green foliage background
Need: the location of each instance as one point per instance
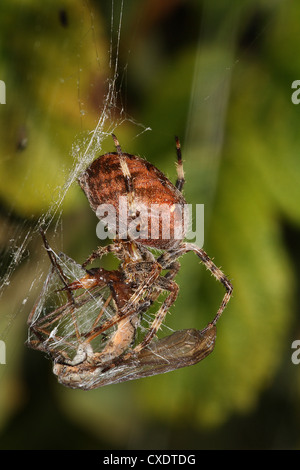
(220, 77)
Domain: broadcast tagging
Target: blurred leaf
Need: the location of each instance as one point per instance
(43, 69)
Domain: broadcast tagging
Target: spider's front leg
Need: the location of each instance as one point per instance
(162, 284)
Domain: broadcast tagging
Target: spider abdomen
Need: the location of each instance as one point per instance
(152, 206)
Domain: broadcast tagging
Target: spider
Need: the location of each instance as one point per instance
(120, 174)
(135, 285)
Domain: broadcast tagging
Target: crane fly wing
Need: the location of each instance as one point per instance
(61, 319)
(180, 349)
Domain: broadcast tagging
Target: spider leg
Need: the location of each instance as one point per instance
(208, 263)
(173, 267)
(157, 285)
(98, 330)
(155, 292)
(46, 326)
(172, 287)
(54, 262)
(105, 305)
(126, 319)
(180, 173)
(131, 305)
(140, 291)
(58, 269)
(98, 253)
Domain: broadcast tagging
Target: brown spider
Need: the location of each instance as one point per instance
(132, 288)
(120, 174)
